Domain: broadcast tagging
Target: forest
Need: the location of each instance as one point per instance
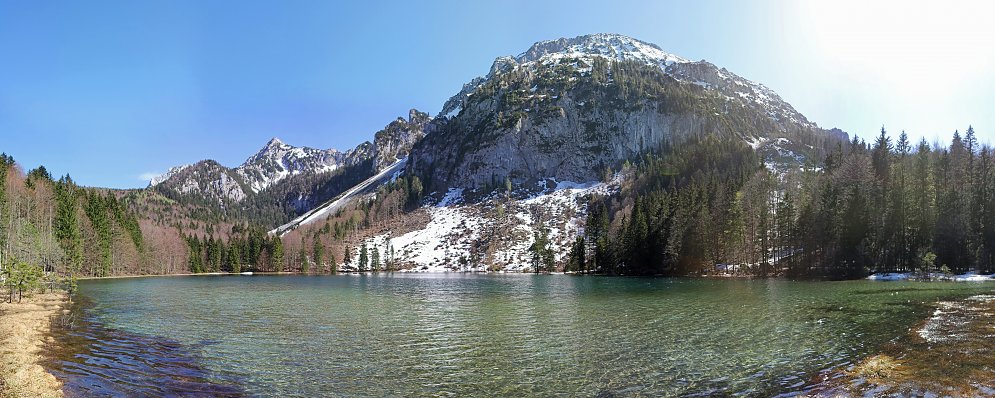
(706, 206)
(53, 227)
(713, 208)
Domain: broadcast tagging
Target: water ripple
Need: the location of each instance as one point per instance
(482, 335)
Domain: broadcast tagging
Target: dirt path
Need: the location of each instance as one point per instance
(24, 331)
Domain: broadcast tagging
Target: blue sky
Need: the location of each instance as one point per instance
(111, 91)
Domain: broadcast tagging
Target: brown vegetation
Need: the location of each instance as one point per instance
(23, 334)
(953, 361)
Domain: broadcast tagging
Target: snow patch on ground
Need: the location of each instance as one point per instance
(948, 321)
(905, 276)
(755, 142)
(893, 276)
(498, 231)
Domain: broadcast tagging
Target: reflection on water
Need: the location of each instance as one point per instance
(490, 335)
(95, 361)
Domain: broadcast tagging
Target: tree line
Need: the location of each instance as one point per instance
(52, 228)
(711, 206)
(251, 249)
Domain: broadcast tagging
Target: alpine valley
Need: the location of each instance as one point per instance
(514, 156)
(600, 153)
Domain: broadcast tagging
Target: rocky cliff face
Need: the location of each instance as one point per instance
(570, 109)
(206, 180)
(395, 141)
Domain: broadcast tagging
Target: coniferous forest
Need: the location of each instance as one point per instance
(706, 206)
(890, 205)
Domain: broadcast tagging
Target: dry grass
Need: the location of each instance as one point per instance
(23, 333)
(879, 368)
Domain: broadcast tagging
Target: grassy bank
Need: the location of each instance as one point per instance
(24, 331)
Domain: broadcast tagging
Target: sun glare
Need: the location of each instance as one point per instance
(924, 48)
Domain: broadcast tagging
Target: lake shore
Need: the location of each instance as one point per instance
(24, 331)
(889, 365)
(154, 275)
(946, 354)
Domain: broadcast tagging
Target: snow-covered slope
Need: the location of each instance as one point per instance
(359, 190)
(473, 235)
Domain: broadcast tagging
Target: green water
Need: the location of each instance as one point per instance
(503, 335)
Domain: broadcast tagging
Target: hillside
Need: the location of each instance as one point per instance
(599, 153)
(516, 155)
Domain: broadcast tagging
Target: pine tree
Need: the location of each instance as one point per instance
(318, 254)
(195, 258)
(375, 259)
(67, 227)
(277, 254)
(951, 239)
(302, 258)
(234, 258)
(984, 210)
(578, 256)
(363, 258)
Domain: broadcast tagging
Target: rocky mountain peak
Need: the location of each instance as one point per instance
(558, 110)
(608, 45)
(167, 175)
(278, 160)
(396, 139)
(616, 47)
(274, 143)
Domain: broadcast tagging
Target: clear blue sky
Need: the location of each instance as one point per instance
(112, 90)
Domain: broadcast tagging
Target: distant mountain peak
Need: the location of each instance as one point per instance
(274, 142)
(607, 45)
(278, 160)
(169, 173)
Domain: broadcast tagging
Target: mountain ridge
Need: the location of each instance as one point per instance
(537, 136)
(567, 108)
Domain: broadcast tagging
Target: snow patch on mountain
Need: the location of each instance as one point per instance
(465, 235)
(362, 189)
(614, 47)
(605, 45)
(278, 160)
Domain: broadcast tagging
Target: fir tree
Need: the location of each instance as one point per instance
(363, 258)
(277, 254)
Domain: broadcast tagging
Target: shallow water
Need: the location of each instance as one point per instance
(482, 335)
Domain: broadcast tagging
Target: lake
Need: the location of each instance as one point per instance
(478, 334)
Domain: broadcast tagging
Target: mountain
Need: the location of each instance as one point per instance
(599, 153)
(287, 179)
(516, 157)
(277, 161)
(570, 108)
(272, 164)
(521, 152)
